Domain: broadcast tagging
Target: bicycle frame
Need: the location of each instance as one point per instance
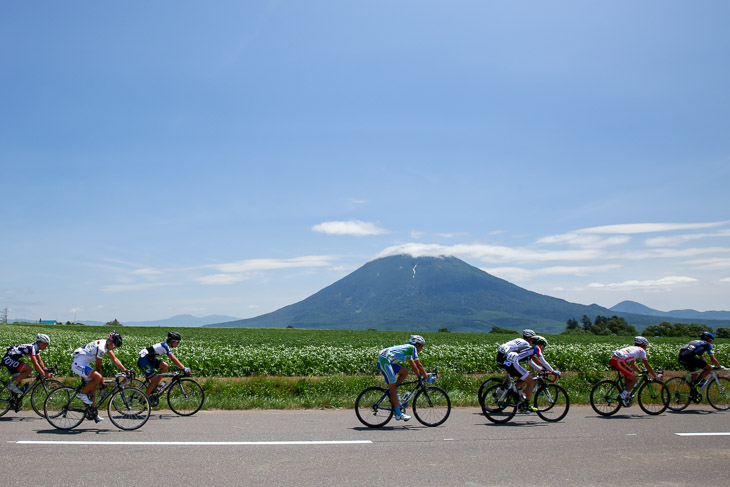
(15, 401)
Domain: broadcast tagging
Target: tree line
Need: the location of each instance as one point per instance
(616, 325)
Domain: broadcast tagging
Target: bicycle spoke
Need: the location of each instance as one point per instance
(431, 406)
(373, 408)
(185, 397)
(128, 409)
(718, 393)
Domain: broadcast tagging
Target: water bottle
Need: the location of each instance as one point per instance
(160, 386)
(405, 397)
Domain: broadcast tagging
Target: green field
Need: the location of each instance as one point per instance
(279, 368)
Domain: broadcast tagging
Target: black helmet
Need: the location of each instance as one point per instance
(173, 336)
(115, 338)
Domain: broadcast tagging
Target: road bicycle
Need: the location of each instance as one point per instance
(38, 389)
(487, 383)
(431, 404)
(502, 400)
(185, 396)
(652, 394)
(682, 391)
(128, 407)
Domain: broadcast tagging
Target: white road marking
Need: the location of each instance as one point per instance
(192, 443)
(702, 434)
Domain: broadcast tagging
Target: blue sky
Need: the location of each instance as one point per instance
(161, 158)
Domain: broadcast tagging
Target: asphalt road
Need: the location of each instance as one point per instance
(331, 448)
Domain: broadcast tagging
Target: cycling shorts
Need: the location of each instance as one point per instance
(149, 368)
(82, 370)
(14, 366)
(388, 370)
(690, 361)
(513, 367)
(623, 367)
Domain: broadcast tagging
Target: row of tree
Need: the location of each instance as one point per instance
(616, 325)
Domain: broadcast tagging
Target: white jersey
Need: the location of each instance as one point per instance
(90, 352)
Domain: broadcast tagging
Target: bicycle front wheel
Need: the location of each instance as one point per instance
(40, 392)
(679, 393)
(373, 407)
(431, 406)
(128, 408)
(500, 405)
(718, 393)
(63, 410)
(185, 397)
(653, 397)
(605, 397)
(552, 402)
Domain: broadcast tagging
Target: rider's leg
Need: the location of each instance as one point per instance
(25, 371)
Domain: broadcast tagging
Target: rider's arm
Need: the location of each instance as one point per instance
(176, 361)
(648, 367)
(418, 368)
(543, 362)
(116, 361)
(533, 363)
(38, 364)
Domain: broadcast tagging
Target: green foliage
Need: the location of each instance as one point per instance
(497, 329)
(666, 329)
(722, 333)
(602, 326)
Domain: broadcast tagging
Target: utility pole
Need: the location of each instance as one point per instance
(4, 316)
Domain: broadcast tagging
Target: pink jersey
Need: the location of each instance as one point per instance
(630, 354)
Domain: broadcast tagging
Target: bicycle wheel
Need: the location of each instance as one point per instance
(552, 402)
(185, 397)
(718, 393)
(136, 384)
(605, 397)
(5, 396)
(40, 392)
(486, 385)
(63, 410)
(431, 406)
(499, 405)
(128, 408)
(373, 407)
(653, 397)
(679, 391)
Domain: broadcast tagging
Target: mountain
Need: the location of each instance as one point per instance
(427, 293)
(177, 320)
(687, 314)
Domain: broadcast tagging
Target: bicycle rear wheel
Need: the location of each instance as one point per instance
(5, 396)
(373, 407)
(679, 393)
(605, 397)
(653, 397)
(499, 405)
(40, 392)
(431, 406)
(718, 393)
(486, 385)
(552, 402)
(185, 397)
(63, 410)
(128, 408)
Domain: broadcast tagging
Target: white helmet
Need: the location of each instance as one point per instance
(641, 341)
(416, 340)
(41, 337)
(528, 333)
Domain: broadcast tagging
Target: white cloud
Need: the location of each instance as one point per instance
(221, 279)
(726, 279)
(710, 264)
(272, 264)
(521, 274)
(583, 240)
(674, 240)
(662, 283)
(632, 228)
(352, 227)
(117, 288)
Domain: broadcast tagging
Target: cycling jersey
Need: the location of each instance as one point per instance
(19, 351)
(399, 353)
(153, 351)
(90, 352)
(510, 354)
(517, 345)
(630, 354)
(698, 347)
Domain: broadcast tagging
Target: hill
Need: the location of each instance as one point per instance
(686, 314)
(427, 293)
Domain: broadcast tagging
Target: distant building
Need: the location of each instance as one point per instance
(46, 322)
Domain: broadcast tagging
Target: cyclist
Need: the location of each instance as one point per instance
(624, 360)
(690, 357)
(94, 352)
(389, 368)
(19, 370)
(510, 354)
(149, 362)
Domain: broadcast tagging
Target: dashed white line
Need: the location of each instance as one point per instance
(702, 434)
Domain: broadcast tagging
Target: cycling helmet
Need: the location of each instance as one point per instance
(173, 336)
(416, 340)
(528, 333)
(42, 337)
(115, 338)
(706, 335)
(539, 340)
(641, 341)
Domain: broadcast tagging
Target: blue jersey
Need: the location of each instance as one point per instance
(400, 353)
(699, 347)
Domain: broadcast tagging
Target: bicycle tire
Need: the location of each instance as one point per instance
(185, 397)
(653, 397)
(486, 385)
(679, 392)
(718, 393)
(5, 396)
(498, 406)
(372, 407)
(552, 402)
(431, 406)
(40, 392)
(605, 397)
(128, 408)
(63, 410)
(136, 384)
